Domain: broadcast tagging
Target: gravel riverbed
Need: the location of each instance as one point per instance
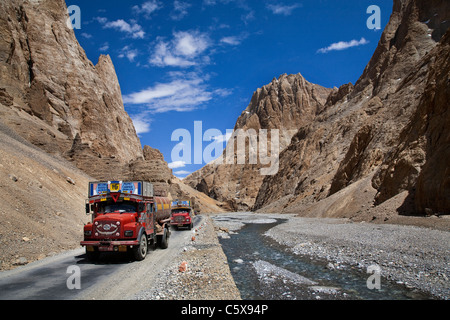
(414, 256)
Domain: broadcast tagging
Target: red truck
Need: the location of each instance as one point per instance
(126, 217)
(182, 214)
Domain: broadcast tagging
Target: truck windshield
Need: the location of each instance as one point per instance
(176, 211)
(117, 207)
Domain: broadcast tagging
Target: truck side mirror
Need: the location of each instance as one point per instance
(88, 209)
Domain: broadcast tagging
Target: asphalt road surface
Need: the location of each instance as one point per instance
(70, 276)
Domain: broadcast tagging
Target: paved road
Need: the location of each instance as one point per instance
(113, 277)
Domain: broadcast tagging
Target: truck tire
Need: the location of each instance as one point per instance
(164, 244)
(140, 252)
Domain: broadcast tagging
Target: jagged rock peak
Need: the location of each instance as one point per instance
(48, 75)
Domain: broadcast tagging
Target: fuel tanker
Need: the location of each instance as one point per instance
(127, 216)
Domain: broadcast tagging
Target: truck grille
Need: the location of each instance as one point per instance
(107, 229)
(178, 219)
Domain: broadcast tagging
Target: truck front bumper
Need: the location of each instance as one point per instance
(120, 246)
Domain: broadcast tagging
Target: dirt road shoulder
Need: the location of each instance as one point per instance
(200, 272)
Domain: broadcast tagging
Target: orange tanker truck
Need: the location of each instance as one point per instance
(127, 216)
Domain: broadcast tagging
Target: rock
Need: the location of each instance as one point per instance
(326, 290)
(25, 239)
(21, 261)
(183, 267)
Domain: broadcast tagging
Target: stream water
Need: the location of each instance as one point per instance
(265, 270)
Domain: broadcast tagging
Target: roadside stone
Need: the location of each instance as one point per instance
(183, 267)
(200, 273)
(21, 261)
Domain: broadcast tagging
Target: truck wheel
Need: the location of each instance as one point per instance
(165, 239)
(140, 252)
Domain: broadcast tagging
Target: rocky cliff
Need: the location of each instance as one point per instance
(285, 104)
(356, 146)
(389, 128)
(68, 106)
(53, 96)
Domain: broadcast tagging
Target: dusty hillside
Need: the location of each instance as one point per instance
(42, 207)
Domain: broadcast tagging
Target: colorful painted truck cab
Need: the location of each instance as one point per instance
(126, 217)
(182, 214)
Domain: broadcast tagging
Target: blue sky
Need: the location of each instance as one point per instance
(181, 61)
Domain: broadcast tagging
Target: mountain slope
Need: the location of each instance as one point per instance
(72, 103)
(285, 104)
(391, 125)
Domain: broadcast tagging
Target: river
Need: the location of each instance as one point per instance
(265, 270)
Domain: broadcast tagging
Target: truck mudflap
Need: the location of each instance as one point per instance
(109, 246)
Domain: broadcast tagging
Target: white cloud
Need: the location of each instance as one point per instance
(163, 56)
(148, 7)
(234, 41)
(184, 50)
(180, 10)
(101, 20)
(342, 45)
(86, 35)
(177, 164)
(209, 2)
(129, 53)
(181, 173)
(104, 47)
(190, 43)
(134, 30)
(141, 123)
(178, 95)
(186, 92)
(283, 9)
